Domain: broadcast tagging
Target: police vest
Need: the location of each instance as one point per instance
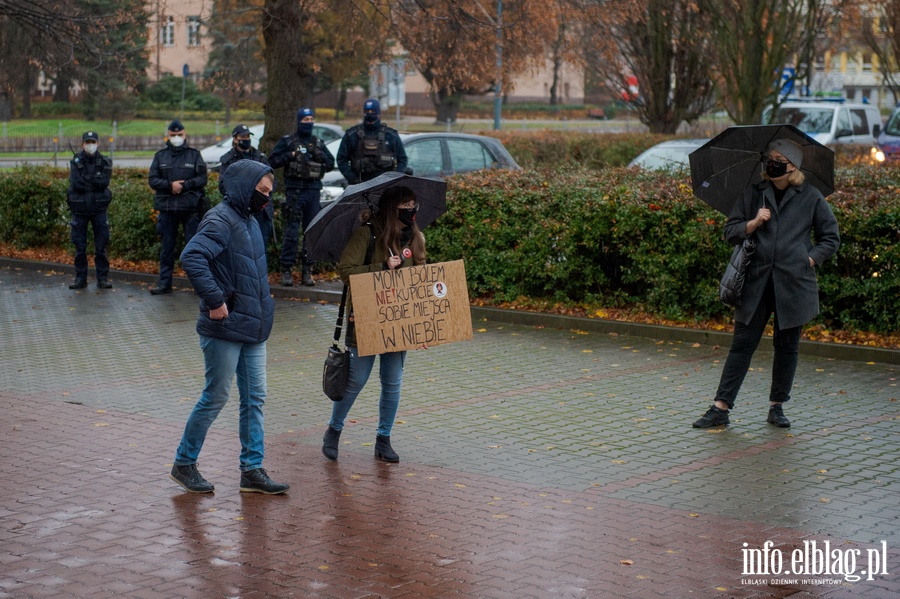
(303, 164)
(371, 154)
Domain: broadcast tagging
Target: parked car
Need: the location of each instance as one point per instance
(830, 123)
(212, 154)
(435, 155)
(668, 155)
(889, 138)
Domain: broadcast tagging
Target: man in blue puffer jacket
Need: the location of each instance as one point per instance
(226, 264)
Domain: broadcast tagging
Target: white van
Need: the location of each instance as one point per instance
(830, 123)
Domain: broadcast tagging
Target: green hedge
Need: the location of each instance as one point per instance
(612, 236)
(621, 238)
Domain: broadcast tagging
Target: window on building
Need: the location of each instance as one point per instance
(167, 31)
(193, 31)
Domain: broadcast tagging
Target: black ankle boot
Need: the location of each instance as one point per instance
(384, 451)
(330, 444)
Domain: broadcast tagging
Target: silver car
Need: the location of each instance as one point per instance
(213, 154)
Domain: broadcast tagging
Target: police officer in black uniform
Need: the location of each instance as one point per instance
(88, 198)
(242, 149)
(178, 175)
(305, 160)
(370, 148)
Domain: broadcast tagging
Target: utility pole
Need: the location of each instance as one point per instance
(498, 89)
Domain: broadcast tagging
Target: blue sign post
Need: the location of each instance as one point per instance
(787, 80)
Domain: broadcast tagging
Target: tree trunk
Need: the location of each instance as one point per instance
(27, 86)
(446, 105)
(287, 69)
(63, 83)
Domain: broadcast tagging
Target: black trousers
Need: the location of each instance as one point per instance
(743, 345)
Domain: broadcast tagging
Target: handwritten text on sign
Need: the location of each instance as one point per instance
(409, 307)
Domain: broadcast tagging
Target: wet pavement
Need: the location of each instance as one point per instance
(536, 462)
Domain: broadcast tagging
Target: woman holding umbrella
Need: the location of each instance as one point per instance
(397, 242)
(781, 213)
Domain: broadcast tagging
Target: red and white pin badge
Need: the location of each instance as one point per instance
(407, 253)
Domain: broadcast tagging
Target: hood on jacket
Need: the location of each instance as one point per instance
(240, 180)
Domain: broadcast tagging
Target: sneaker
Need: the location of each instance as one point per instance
(258, 481)
(713, 417)
(287, 279)
(190, 478)
(777, 417)
(78, 284)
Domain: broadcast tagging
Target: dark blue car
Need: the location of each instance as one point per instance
(889, 139)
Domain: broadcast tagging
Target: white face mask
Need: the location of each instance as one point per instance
(90, 149)
(176, 141)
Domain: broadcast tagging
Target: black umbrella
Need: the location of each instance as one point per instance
(332, 227)
(723, 167)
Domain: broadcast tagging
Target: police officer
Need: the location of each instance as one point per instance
(88, 198)
(370, 148)
(305, 160)
(178, 175)
(242, 149)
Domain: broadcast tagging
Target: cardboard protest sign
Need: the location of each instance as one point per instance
(406, 308)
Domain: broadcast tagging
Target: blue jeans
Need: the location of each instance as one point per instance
(743, 345)
(223, 360)
(100, 224)
(167, 226)
(300, 207)
(391, 374)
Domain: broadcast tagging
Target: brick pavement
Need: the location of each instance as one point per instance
(535, 463)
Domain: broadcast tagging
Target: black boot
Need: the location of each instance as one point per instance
(287, 279)
(384, 451)
(330, 444)
(78, 284)
(258, 481)
(307, 276)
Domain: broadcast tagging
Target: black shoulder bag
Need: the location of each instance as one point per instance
(336, 373)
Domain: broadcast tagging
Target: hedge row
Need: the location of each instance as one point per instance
(612, 236)
(623, 238)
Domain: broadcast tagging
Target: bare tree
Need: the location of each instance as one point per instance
(665, 44)
(453, 44)
(880, 29)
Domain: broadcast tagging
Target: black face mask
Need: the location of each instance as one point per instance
(305, 129)
(407, 216)
(244, 144)
(775, 169)
(371, 119)
(258, 201)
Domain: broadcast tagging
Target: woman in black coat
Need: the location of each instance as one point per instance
(781, 213)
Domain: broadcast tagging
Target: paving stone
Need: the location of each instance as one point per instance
(535, 462)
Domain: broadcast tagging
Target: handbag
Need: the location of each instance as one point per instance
(731, 286)
(336, 373)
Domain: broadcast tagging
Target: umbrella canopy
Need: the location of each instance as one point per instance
(723, 167)
(332, 227)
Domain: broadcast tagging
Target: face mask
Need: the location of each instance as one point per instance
(176, 142)
(407, 216)
(258, 201)
(90, 149)
(371, 119)
(775, 169)
(244, 144)
(305, 128)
